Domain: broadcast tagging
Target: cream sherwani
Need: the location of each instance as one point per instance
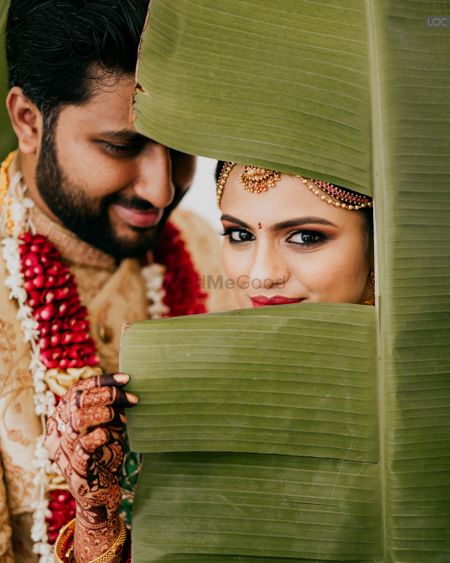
(114, 295)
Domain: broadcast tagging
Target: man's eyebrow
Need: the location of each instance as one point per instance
(235, 220)
(126, 136)
(298, 222)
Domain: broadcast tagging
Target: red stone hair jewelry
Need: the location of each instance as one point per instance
(257, 180)
(335, 195)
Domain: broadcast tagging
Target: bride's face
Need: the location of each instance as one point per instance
(287, 244)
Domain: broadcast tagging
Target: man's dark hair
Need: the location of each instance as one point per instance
(55, 47)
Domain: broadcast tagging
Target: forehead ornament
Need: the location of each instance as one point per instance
(335, 195)
(258, 180)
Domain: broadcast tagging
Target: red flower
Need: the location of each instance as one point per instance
(182, 286)
(55, 303)
(62, 507)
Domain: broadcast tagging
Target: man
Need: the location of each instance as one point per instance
(93, 197)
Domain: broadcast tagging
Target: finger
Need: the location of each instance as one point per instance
(104, 396)
(64, 408)
(83, 420)
(85, 448)
(104, 380)
(52, 437)
(114, 380)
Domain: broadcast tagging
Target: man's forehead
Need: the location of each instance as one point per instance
(109, 108)
(111, 93)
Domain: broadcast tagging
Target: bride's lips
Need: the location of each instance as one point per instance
(262, 301)
(143, 219)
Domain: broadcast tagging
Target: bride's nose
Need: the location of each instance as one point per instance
(269, 269)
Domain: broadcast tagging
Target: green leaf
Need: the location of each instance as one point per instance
(356, 93)
(412, 147)
(297, 433)
(278, 84)
(7, 137)
(242, 383)
(263, 506)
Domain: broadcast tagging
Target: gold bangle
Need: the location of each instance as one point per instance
(116, 547)
(63, 556)
(67, 531)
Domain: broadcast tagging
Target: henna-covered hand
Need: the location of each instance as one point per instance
(85, 438)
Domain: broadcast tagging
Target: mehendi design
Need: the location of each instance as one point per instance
(85, 437)
(94, 398)
(83, 419)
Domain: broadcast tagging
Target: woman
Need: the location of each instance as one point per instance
(288, 239)
(298, 241)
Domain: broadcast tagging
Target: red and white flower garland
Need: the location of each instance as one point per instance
(56, 326)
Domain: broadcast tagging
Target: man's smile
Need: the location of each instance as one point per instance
(135, 217)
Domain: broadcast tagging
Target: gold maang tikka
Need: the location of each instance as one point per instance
(253, 179)
(256, 180)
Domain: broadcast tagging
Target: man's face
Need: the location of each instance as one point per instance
(111, 186)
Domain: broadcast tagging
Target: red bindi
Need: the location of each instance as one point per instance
(259, 226)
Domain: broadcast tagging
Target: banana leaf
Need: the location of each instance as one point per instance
(278, 84)
(7, 137)
(296, 433)
(356, 93)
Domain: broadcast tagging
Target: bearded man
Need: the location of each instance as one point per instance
(86, 246)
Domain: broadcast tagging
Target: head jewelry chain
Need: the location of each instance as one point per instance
(257, 180)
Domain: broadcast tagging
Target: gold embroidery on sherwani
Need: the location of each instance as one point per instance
(124, 299)
(7, 346)
(6, 550)
(21, 483)
(19, 429)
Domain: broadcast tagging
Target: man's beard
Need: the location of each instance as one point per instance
(89, 219)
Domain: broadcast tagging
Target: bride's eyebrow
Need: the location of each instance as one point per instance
(235, 220)
(300, 221)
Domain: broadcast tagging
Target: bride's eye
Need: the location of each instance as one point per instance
(237, 236)
(306, 238)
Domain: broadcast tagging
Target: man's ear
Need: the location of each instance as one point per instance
(26, 120)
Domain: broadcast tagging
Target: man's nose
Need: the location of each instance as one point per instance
(269, 269)
(154, 180)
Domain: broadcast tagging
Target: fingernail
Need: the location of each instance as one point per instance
(121, 378)
(131, 398)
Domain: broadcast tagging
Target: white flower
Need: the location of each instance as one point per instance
(15, 282)
(39, 527)
(154, 285)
